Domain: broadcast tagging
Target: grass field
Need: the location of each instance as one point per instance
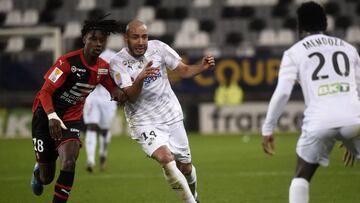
(230, 169)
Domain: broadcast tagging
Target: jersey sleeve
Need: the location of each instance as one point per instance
(119, 73)
(286, 81)
(171, 58)
(108, 83)
(357, 73)
(54, 78)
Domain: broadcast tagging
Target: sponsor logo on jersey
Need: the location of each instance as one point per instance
(75, 69)
(103, 71)
(334, 88)
(149, 80)
(55, 74)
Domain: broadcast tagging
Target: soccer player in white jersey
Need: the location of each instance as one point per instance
(328, 70)
(153, 112)
(99, 112)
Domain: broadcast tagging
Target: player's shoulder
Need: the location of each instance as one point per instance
(156, 43)
(102, 63)
(119, 57)
(107, 55)
(71, 54)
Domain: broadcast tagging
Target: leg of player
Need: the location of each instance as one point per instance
(43, 175)
(172, 174)
(299, 188)
(68, 154)
(189, 172)
(104, 140)
(90, 142)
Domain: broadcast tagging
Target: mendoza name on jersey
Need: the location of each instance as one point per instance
(322, 41)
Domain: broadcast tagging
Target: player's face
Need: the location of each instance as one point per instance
(95, 42)
(137, 40)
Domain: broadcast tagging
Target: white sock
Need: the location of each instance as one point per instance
(178, 182)
(299, 191)
(90, 142)
(104, 143)
(191, 179)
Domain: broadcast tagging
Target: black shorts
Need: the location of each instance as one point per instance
(45, 146)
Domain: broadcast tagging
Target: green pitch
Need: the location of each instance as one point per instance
(230, 169)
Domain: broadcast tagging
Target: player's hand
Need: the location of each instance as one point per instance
(348, 157)
(148, 71)
(119, 96)
(55, 126)
(268, 144)
(208, 61)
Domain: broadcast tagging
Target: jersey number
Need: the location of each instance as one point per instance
(152, 133)
(316, 76)
(38, 145)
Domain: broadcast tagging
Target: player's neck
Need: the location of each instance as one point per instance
(304, 34)
(90, 60)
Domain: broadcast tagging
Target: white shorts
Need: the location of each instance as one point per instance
(315, 146)
(100, 113)
(174, 136)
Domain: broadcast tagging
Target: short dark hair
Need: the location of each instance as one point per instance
(106, 26)
(311, 17)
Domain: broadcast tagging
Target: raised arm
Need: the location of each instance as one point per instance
(188, 71)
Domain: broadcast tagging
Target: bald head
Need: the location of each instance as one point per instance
(136, 38)
(134, 25)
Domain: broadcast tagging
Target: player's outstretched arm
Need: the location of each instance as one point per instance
(188, 71)
(134, 90)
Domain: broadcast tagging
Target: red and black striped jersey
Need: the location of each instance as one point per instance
(68, 82)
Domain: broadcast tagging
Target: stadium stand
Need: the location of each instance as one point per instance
(193, 27)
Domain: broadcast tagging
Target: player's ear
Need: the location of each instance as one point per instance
(84, 38)
(126, 39)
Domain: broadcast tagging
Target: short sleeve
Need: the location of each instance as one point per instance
(119, 73)
(171, 58)
(58, 72)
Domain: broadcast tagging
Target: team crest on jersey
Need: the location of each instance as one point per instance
(55, 74)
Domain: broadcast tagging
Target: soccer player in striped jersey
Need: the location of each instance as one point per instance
(58, 108)
(153, 111)
(328, 70)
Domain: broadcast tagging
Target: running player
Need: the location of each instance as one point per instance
(153, 112)
(58, 107)
(328, 70)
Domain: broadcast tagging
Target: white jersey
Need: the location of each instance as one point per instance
(157, 103)
(328, 70)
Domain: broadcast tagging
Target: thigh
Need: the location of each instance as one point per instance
(314, 147)
(179, 143)
(150, 137)
(107, 114)
(350, 136)
(91, 113)
(44, 145)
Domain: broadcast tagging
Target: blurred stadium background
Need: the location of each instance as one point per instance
(247, 38)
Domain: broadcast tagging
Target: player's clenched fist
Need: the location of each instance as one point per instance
(208, 61)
